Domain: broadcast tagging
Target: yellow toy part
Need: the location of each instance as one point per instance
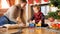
(39, 24)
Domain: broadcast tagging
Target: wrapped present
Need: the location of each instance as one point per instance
(59, 26)
(54, 26)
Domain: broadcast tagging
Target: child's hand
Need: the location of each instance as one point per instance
(33, 21)
(18, 20)
(30, 21)
(39, 21)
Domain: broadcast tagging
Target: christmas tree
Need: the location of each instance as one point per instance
(56, 3)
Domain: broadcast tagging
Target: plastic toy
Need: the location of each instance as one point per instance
(31, 25)
(38, 24)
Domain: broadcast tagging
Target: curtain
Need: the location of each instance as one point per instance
(46, 0)
(0, 3)
(38, 1)
(11, 2)
(30, 1)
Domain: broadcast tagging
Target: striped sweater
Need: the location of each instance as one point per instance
(13, 12)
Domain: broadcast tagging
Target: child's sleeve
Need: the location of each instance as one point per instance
(42, 18)
(32, 18)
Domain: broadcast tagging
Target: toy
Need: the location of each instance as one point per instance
(38, 25)
(31, 25)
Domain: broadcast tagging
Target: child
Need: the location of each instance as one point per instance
(38, 15)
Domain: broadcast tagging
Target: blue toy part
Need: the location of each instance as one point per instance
(31, 25)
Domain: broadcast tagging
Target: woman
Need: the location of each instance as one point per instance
(12, 13)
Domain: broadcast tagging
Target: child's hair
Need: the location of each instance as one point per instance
(23, 1)
(36, 6)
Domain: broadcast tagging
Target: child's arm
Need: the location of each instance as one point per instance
(31, 19)
(42, 18)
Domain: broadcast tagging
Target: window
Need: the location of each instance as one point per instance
(4, 4)
(45, 9)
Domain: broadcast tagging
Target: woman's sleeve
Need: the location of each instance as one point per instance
(12, 14)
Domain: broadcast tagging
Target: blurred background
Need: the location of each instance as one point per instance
(46, 6)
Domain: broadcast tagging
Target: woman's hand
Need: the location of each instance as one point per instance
(19, 20)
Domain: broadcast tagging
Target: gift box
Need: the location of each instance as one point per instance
(59, 26)
(54, 26)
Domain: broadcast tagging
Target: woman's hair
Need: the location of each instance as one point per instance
(23, 1)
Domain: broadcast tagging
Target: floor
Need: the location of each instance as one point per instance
(38, 31)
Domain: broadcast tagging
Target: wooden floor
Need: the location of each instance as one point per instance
(36, 31)
(39, 31)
